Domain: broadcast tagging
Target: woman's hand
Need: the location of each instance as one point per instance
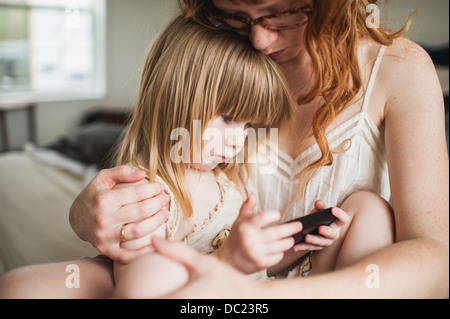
(253, 244)
(100, 210)
(204, 270)
(327, 234)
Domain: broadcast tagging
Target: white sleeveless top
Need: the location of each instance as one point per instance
(206, 237)
(361, 167)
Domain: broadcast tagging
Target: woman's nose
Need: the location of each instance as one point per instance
(262, 38)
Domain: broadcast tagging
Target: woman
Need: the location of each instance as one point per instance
(334, 52)
(369, 101)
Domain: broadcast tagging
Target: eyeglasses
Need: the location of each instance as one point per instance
(288, 19)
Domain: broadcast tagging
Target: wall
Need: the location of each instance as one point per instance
(430, 26)
(131, 25)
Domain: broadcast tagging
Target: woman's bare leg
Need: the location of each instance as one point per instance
(84, 278)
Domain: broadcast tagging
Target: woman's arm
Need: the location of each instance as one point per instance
(380, 275)
(418, 167)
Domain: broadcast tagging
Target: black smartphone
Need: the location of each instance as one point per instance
(311, 222)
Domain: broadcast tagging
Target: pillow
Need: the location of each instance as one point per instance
(438, 55)
(93, 143)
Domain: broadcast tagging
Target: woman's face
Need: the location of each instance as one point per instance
(282, 45)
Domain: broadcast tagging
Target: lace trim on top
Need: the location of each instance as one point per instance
(224, 185)
(176, 214)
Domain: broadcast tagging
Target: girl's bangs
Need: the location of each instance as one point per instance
(255, 97)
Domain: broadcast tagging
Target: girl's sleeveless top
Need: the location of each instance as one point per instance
(207, 236)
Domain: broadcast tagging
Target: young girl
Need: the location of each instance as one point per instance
(197, 83)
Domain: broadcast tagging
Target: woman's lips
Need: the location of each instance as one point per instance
(276, 55)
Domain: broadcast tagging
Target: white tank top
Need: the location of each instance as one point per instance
(361, 167)
(206, 237)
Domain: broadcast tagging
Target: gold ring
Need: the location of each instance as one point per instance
(122, 232)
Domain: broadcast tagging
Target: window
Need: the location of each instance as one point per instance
(51, 50)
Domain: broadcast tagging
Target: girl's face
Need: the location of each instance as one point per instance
(223, 139)
(280, 45)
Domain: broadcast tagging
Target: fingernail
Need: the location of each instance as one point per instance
(166, 197)
(157, 240)
(167, 214)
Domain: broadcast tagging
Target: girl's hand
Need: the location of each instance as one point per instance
(253, 244)
(328, 235)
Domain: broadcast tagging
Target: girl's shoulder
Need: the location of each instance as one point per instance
(237, 183)
(175, 214)
(173, 205)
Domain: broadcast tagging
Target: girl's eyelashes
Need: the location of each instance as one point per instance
(227, 119)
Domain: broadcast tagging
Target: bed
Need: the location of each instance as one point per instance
(38, 186)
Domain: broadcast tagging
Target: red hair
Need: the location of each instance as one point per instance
(332, 37)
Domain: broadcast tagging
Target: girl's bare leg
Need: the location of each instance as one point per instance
(85, 278)
(370, 229)
(149, 276)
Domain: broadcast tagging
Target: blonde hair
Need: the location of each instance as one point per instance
(333, 34)
(194, 73)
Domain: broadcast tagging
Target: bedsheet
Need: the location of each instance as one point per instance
(35, 198)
